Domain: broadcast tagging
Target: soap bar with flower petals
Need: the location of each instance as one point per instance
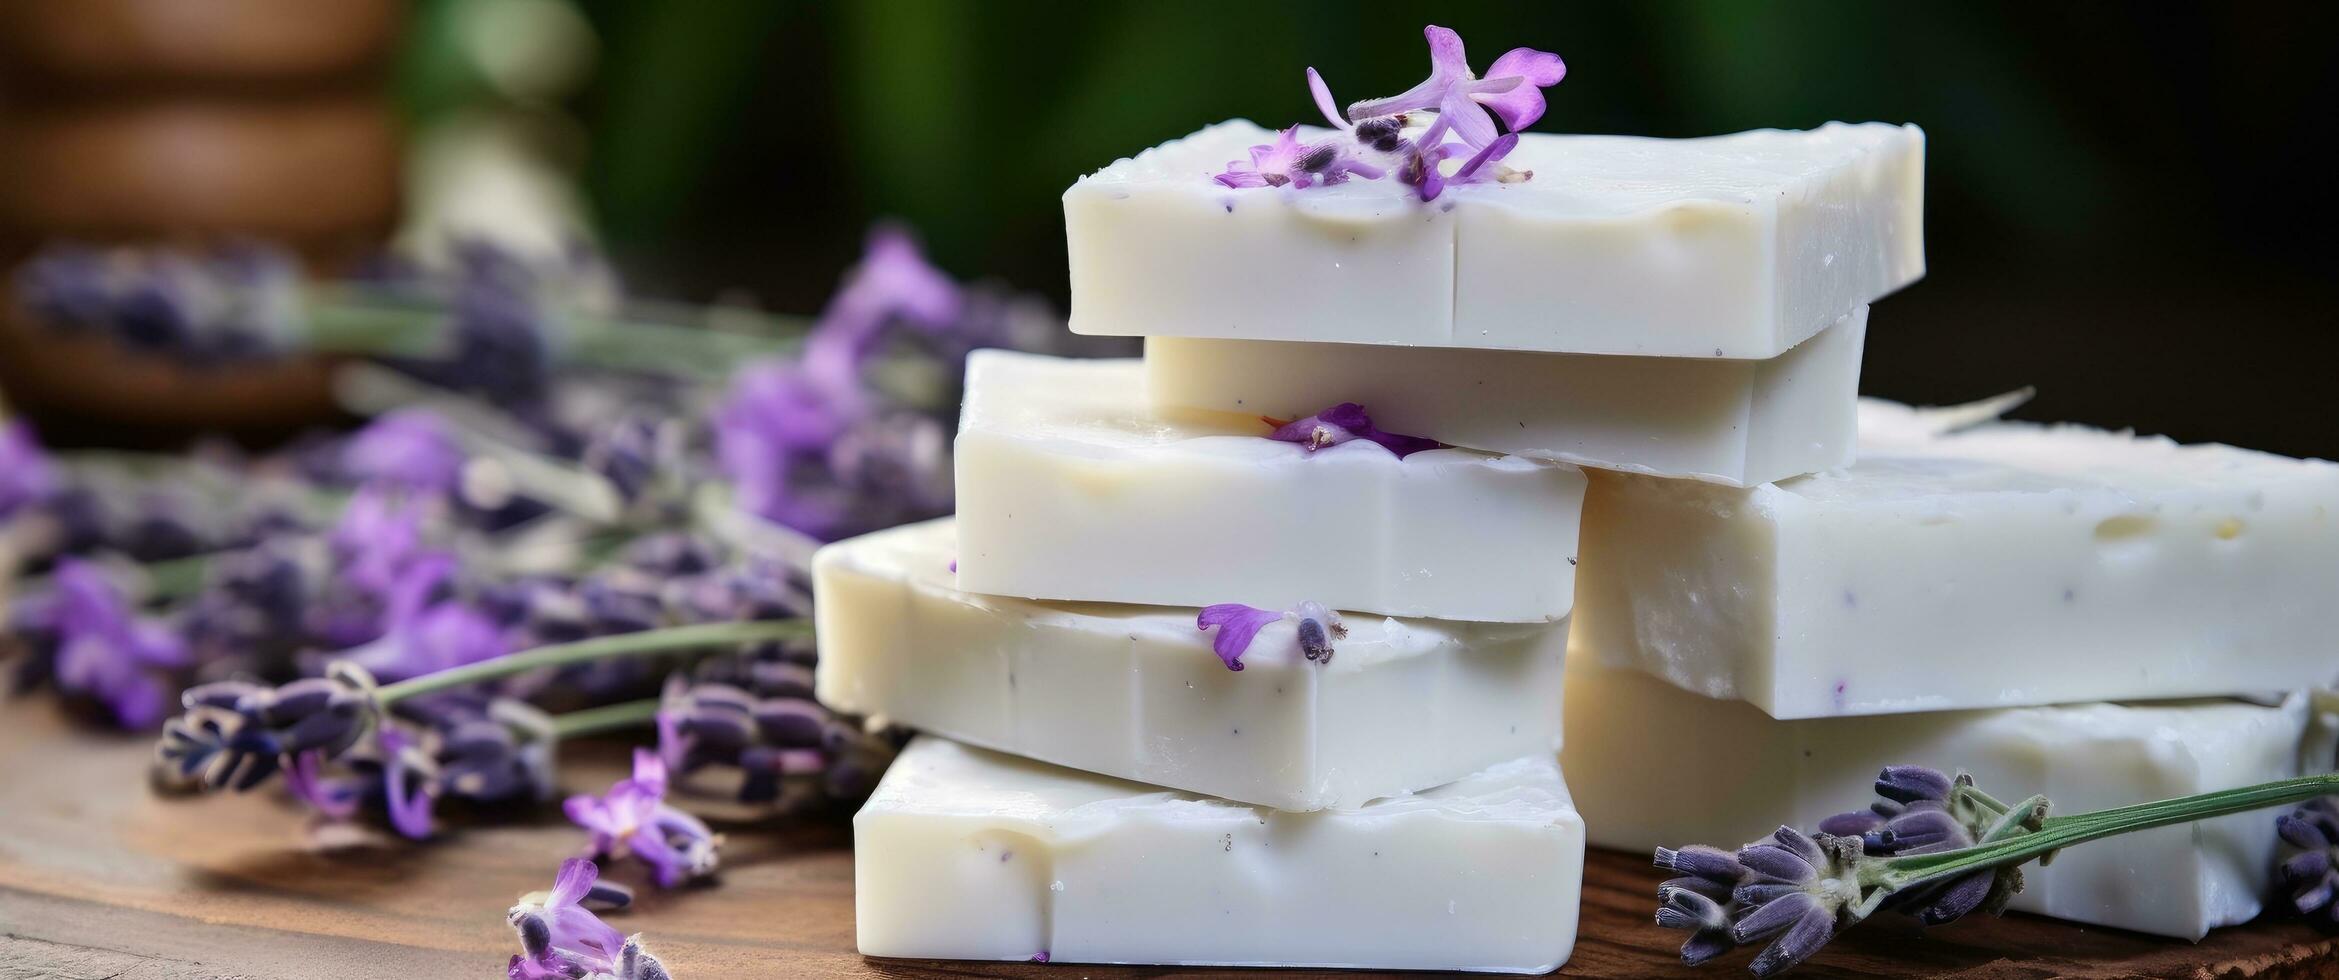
(968, 854)
(1733, 422)
(1653, 765)
(1069, 489)
(1737, 246)
(1138, 693)
(1999, 565)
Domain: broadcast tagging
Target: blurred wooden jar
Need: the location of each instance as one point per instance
(188, 122)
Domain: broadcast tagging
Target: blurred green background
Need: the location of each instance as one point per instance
(2128, 203)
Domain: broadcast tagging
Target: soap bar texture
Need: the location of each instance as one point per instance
(2002, 564)
(1737, 423)
(1737, 246)
(1655, 765)
(1135, 691)
(969, 854)
(1069, 489)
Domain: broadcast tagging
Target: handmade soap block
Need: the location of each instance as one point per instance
(1069, 489)
(1654, 765)
(1135, 691)
(1999, 565)
(1737, 246)
(968, 854)
(1733, 422)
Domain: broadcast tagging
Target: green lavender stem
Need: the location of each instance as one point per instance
(662, 335)
(606, 718)
(646, 643)
(2059, 832)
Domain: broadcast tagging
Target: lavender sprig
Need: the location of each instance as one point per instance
(1795, 892)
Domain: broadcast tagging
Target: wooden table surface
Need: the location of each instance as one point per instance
(99, 878)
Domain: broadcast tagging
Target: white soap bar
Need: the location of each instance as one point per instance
(1654, 765)
(1135, 691)
(1069, 489)
(2005, 564)
(1734, 246)
(1732, 422)
(968, 854)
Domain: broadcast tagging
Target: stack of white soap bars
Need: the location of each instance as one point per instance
(1095, 783)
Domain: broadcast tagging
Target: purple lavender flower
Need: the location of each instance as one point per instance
(414, 449)
(1512, 89)
(237, 734)
(1697, 898)
(757, 716)
(1287, 161)
(105, 651)
(234, 303)
(633, 818)
(1345, 422)
(409, 782)
(1238, 625)
(892, 283)
(27, 476)
(777, 422)
(500, 332)
(2309, 872)
(562, 938)
(1793, 889)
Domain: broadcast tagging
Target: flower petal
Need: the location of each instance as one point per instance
(1237, 625)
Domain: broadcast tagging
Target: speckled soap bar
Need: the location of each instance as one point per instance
(1069, 489)
(1998, 565)
(1737, 423)
(1136, 691)
(968, 854)
(1738, 246)
(1653, 765)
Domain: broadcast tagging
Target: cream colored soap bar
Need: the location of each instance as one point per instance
(968, 854)
(1737, 423)
(1737, 246)
(1069, 489)
(1655, 765)
(1135, 691)
(2003, 564)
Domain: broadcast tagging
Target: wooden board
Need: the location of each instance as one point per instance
(99, 878)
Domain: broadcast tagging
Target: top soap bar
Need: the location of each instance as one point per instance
(1737, 246)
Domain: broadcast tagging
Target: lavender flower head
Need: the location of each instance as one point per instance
(561, 938)
(1287, 161)
(236, 734)
(27, 476)
(2309, 872)
(410, 448)
(1315, 627)
(1345, 422)
(1512, 89)
(633, 817)
(104, 650)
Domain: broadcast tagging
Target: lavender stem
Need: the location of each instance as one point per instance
(645, 643)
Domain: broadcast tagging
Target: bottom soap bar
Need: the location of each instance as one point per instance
(1655, 765)
(964, 853)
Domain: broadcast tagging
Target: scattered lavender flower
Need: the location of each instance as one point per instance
(2309, 872)
(633, 817)
(1458, 104)
(27, 476)
(892, 284)
(1238, 625)
(1512, 89)
(500, 331)
(562, 939)
(104, 651)
(1287, 161)
(1346, 422)
(414, 449)
(409, 782)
